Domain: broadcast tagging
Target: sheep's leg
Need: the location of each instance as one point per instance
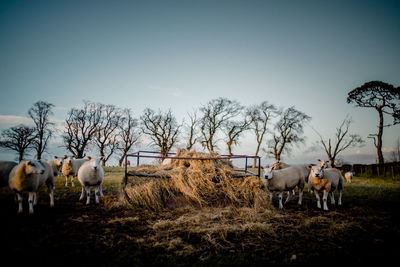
(340, 198)
(300, 196)
(30, 201)
(332, 198)
(87, 189)
(82, 194)
(280, 200)
(66, 180)
(325, 199)
(96, 194)
(51, 195)
(101, 191)
(35, 198)
(73, 180)
(19, 199)
(318, 199)
(288, 196)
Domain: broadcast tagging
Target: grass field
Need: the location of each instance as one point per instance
(365, 230)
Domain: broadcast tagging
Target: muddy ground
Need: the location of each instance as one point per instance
(365, 230)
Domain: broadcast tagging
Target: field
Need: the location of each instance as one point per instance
(365, 230)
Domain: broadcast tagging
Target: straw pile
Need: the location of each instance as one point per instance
(198, 183)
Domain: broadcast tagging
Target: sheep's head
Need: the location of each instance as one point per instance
(66, 166)
(268, 173)
(95, 164)
(317, 171)
(323, 163)
(58, 161)
(33, 167)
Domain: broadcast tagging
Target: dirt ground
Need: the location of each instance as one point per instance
(365, 230)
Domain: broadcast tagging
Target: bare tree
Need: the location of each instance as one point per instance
(80, 127)
(290, 128)
(162, 129)
(234, 129)
(191, 129)
(343, 140)
(385, 99)
(40, 112)
(105, 136)
(260, 115)
(18, 138)
(215, 114)
(128, 134)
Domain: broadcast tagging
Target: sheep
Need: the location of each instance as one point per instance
(326, 180)
(91, 174)
(71, 167)
(56, 165)
(349, 176)
(5, 169)
(284, 180)
(278, 165)
(28, 176)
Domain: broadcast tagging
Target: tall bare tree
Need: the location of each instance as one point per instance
(260, 115)
(162, 129)
(128, 133)
(192, 130)
(18, 138)
(342, 141)
(40, 113)
(80, 127)
(385, 99)
(289, 130)
(234, 129)
(215, 114)
(105, 136)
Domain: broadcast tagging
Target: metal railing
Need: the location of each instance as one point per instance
(142, 154)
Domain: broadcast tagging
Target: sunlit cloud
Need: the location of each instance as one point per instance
(11, 120)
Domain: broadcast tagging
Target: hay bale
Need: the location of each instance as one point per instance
(194, 182)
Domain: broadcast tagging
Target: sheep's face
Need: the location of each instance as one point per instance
(95, 164)
(324, 164)
(317, 171)
(34, 167)
(66, 166)
(267, 173)
(58, 161)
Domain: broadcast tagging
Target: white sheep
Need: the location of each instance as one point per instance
(326, 180)
(28, 176)
(284, 180)
(5, 169)
(56, 165)
(71, 167)
(349, 176)
(91, 174)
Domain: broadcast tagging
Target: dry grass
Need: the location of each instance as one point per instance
(197, 183)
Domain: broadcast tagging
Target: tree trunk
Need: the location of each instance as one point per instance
(380, 134)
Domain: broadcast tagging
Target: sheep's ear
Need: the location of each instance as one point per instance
(55, 157)
(89, 157)
(309, 166)
(65, 156)
(30, 163)
(319, 160)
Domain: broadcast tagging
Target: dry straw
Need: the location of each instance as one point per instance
(198, 183)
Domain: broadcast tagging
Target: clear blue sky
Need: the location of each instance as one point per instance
(181, 54)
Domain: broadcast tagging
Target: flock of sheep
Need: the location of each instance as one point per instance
(29, 176)
(281, 177)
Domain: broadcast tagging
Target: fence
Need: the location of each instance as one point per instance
(142, 154)
(385, 170)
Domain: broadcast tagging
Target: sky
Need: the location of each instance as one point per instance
(179, 55)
